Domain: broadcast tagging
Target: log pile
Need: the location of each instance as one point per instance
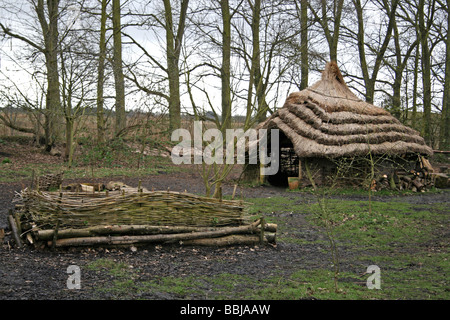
(62, 219)
(421, 179)
(402, 180)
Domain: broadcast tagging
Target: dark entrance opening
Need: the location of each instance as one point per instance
(288, 163)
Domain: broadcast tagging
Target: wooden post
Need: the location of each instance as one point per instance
(15, 232)
(300, 174)
(234, 192)
(261, 176)
(55, 233)
(33, 176)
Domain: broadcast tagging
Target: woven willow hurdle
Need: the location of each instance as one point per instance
(78, 210)
(89, 218)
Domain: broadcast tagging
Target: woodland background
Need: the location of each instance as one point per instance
(103, 69)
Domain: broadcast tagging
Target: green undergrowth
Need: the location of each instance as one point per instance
(153, 165)
(405, 240)
(365, 223)
(412, 280)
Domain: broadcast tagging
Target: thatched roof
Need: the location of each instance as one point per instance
(328, 120)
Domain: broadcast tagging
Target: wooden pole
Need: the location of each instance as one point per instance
(33, 174)
(261, 175)
(234, 192)
(300, 174)
(15, 232)
(244, 239)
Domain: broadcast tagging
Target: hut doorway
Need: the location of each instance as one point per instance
(289, 163)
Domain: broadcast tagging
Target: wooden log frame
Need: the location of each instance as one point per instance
(244, 239)
(47, 234)
(207, 236)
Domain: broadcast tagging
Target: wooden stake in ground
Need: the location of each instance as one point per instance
(14, 230)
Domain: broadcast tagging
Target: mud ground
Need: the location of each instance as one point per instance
(31, 274)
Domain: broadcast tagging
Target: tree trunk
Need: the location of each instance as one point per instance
(226, 65)
(415, 88)
(426, 73)
(396, 97)
(304, 67)
(444, 143)
(117, 68)
(331, 36)
(333, 44)
(260, 86)
(101, 75)
(53, 99)
(398, 70)
(173, 49)
(50, 49)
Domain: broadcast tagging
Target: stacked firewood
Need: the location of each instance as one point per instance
(419, 180)
(415, 181)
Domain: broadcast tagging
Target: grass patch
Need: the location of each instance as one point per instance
(408, 239)
(382, 225)
(403, 276)
(378, 223)
(111, 267)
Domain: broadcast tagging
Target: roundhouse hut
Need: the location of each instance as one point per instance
(326, 127)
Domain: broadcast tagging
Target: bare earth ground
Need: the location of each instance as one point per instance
(42, 275)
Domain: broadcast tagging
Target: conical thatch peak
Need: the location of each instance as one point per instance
(328, 120)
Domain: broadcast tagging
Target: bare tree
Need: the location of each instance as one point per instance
(47, 14)
(370, 79)
(173, 49)
(424, 27)
(152, 20)
(330, 24)
(402, 50)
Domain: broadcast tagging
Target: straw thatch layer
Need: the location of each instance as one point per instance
(328, 120)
